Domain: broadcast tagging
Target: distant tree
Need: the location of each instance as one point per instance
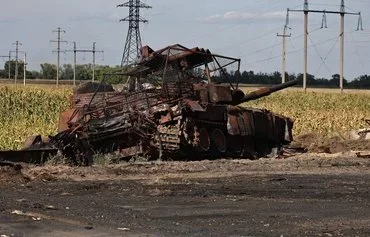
(276, 78)
(335, 80)
(5, 72)
(11, 64)
(67, 72)
(107, 73)
(310, 78)
(361, 82)
(114, 75)
(48, 71)
(236, 77)
(33, 75)
(321, 82)
(83, 72)
(291, 77)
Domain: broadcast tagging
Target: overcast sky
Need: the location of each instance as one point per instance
(244, 29)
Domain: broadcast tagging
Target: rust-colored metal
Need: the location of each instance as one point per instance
(219, 93)
(219, 139)
(34, 156)
(170, 108)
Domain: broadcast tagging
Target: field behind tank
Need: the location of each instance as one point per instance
(26, 111)
(325, 112)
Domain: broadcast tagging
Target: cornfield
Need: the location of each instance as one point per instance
(321, 112)
(29, 111)
(26, 111)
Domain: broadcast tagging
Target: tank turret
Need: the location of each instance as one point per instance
(190, 110)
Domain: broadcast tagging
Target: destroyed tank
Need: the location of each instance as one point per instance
(177, 103)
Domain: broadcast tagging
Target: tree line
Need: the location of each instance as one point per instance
(84, 72)
(260, 78)
(49, 71)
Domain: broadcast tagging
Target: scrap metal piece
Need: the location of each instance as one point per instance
(38, 156)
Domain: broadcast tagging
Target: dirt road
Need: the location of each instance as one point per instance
(307, 195)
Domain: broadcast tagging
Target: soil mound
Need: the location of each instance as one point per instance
(336, 144)
(12, 174)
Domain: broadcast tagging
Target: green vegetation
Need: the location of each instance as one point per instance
(84, 72)
(322, 112)
(26, 111)
(29, 111)
(361, 82)
(49, 71)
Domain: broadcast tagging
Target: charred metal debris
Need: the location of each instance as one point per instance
(177, 103)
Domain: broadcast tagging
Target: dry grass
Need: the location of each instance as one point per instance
(26, 111)
(30, 110)
(324, 112)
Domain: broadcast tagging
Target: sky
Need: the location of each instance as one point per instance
(245, 29)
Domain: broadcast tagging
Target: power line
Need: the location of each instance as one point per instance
(323, 4)
(327, 55)
(318, 52)
(75, 51)
(289, 52)
(248, 40)
(357, 54)
(133, 41)
(284, 36)
(342, 12)
(58, 41)
(276, 44)
(94, 51)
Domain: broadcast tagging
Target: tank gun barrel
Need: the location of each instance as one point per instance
(267, 91)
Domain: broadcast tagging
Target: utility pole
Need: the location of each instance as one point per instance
(305, 10)
(9, 58)
(75, 51)
(133, 41)
(94, 51)
(17, 44)
(58, 41)
(342, 13)
(284, 36)
(93, 76)
(24, 68)
(74, 62)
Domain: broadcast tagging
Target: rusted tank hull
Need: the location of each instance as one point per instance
(228, 131)
(189, 132)
(183, 112)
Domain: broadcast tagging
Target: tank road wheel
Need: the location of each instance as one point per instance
(204, 140)
(219, 140)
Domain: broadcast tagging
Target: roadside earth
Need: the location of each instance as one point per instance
(304, 195)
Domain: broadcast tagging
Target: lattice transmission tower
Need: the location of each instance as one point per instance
(133, 41)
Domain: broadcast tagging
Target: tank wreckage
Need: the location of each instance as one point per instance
(177, 102)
